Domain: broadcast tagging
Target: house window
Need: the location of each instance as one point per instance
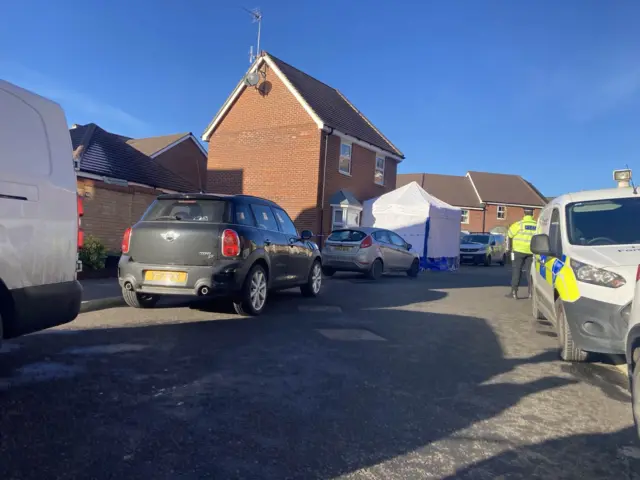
(502, 212)
(344, 165)
(379, 175)
(345, 217)
(464, 218)
(337, 218)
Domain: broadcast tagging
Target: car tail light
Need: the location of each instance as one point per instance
(80, 215)
(638, 274)
(126, 240)
(367, 242)
(230, 243)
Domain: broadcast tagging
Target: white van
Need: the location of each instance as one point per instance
(39, 223)
(586, 255)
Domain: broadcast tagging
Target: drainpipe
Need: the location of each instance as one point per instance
(328, 131)
(484, 215)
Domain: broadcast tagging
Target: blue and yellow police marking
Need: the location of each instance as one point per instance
(558, 273)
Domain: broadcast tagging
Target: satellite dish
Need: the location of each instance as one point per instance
(252, 79)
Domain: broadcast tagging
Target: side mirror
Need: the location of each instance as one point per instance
(409, 246)
(493, 243)
(306, 234)
(540, 245)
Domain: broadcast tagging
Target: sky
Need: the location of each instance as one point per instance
(549, 90)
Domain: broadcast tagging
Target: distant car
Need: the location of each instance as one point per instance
(483, 248)
(633, 352)
(372, 251)
(204, 244)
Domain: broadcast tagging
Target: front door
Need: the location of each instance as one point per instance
(299, 255)
(403, 258)
(547, 267)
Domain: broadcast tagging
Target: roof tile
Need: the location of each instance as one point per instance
(507, 189)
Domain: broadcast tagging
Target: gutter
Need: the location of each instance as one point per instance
(324, 178)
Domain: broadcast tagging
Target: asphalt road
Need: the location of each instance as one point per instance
(435, 377)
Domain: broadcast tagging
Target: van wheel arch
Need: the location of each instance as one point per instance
(6, 307)
(263, 263)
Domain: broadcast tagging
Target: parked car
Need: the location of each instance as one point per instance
(39, 215)
(483, 248)
(632, 351)
(204, 244)
(372, 251)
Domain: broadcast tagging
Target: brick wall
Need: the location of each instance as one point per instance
(267, 145)
(361, 182)
(188, 161)
(513, 214)
(110, 209)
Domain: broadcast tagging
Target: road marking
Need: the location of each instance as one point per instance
(630, 452)
(319, 308)
(105, 349)
(350, 334)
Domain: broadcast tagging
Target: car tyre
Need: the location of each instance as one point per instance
(328, 271)
(139, 300)
(375, 272)
(504, 260)
(534, 304)
(253, 296)
(635, 389)
(415, 269)
(314, 281)
(568, 350)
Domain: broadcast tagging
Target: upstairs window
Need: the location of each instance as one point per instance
(344, 164)
(464, 218)
(379, 175)
(502, 212)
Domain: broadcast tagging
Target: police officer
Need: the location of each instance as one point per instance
(520, 234)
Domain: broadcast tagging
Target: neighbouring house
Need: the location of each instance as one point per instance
(284, 135)
(489, 201)
(119, 177)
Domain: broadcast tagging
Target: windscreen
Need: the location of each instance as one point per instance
(347, 236)
(476, 239)
(186, 210)
(604, 222)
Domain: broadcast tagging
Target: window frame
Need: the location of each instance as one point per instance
(277, 210)
(376, 169)
(504, 212)
(349, 157)
(555, 241)
(393, 235)
(464, 219)
(255, 215)
(252, 216)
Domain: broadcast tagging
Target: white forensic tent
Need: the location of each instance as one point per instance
(431, 226)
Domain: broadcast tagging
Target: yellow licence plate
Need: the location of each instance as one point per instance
(343, 249)
(165, 277)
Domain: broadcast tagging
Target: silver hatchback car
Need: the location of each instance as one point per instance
(372, 251)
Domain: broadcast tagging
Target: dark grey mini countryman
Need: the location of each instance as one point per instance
(204, 244)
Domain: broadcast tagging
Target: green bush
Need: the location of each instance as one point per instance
(93, 253)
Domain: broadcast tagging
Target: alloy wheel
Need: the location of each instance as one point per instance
(258, 290)
(316, 278)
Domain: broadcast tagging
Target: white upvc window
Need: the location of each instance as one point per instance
(464, 218)
(344, 164)
(502, 212)
(379, 173)
(344, 217)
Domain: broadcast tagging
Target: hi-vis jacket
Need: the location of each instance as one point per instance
(520, 234)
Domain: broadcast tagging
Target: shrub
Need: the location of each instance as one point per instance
(93, 253)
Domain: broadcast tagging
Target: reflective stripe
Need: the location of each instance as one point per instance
(558, 273)
(521, 233)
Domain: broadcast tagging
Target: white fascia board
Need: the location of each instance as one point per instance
(362, 143)
(180, 140)
(118, 181)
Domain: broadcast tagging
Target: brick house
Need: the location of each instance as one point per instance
(489, 201)
(287, 136)
(119, 177)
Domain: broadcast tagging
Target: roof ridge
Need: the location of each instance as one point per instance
(273, 57)
(182, 134)
(533, 189)
(363, 116)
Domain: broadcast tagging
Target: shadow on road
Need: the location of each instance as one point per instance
(301, 395)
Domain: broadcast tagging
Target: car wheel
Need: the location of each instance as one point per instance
(375, 272)
(314, 281)
(253, 296)
(635, 390)
(504, 260)
(139, 300)
(568, 350)
(328, 271)
(487, 260)
(415, 269)
(534, 304)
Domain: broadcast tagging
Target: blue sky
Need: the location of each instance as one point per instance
(546, 89)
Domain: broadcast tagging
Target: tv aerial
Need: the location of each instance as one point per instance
(256, 14)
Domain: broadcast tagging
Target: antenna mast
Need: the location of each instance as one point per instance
(257, 18)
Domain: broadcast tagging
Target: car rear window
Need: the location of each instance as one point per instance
(187, 210)
(347, 236)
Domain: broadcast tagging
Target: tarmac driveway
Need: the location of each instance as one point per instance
(435, 377)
